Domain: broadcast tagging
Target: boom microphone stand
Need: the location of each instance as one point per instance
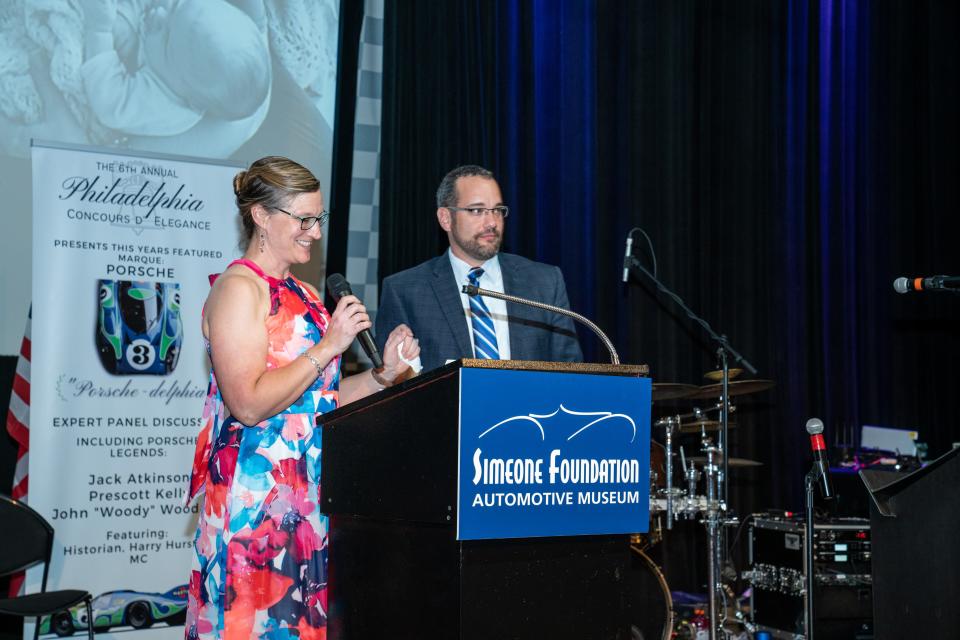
(716, 548)
(819, 473)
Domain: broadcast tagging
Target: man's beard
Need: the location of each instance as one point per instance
(473, 248)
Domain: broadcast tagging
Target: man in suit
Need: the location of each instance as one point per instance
(451, 325)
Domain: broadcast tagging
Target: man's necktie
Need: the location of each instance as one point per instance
(484, 334)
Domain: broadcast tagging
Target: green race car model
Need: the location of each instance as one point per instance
(121, 608)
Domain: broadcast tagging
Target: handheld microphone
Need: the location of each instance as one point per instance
(339, 287)
(815, 429)
(906, 285)
(626, 257)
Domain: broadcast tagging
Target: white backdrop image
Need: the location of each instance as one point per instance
(218, 79)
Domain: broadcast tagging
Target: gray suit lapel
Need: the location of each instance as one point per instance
(448, 296)
(513, 283)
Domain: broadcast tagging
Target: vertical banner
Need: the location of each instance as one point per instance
(122, 249)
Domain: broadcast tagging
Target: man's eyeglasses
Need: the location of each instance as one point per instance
(477, 212)
(307, 222)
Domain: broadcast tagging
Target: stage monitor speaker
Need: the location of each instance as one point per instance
(914, 522)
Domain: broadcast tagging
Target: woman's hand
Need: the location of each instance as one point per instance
(393, 366)
(349, 318)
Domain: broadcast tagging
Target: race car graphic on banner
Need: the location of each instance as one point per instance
(138, 327)
(121, 609)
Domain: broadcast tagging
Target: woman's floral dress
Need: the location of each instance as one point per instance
(260, 568)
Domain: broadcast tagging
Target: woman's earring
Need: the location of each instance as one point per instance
(261, 241)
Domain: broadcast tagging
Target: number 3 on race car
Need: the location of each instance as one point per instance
(140, 354)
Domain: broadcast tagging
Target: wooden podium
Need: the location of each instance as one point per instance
(389, 484)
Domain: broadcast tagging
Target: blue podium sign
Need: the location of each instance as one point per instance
(552, 454)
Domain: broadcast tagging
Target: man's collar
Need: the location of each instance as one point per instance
(460, 268)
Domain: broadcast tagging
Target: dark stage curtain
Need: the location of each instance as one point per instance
(788, 160)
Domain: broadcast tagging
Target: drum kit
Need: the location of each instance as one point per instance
(696, 489)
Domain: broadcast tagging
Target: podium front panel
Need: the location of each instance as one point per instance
(552, 454)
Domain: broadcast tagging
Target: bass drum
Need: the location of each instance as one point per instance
(649, 604)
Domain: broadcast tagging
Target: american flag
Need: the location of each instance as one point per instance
(18, 425)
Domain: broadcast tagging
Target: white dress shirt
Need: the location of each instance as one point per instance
(491, 279)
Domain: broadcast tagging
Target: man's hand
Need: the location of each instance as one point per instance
(394, 368)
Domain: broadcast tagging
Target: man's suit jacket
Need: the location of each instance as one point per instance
(427, 299)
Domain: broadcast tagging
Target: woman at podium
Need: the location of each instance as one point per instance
(261, 544)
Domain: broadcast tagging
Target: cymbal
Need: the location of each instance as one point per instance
(697, 426)
(673, 390)
(717, 375)
(733, 462)
(736, 388)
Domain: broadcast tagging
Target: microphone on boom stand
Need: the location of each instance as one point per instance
(819, 471)
(718, 503)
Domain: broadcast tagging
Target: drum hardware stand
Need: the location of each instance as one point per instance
(691, 475)
(668, 429)
(712, 523)
(670, 493)
(716, 547)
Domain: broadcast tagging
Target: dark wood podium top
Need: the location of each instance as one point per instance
(451, 368)
(636, 370)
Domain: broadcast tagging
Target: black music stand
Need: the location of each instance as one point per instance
(914, 520)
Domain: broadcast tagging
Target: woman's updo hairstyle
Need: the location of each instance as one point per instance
(270, 182)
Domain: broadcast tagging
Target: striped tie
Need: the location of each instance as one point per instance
(484, 335)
